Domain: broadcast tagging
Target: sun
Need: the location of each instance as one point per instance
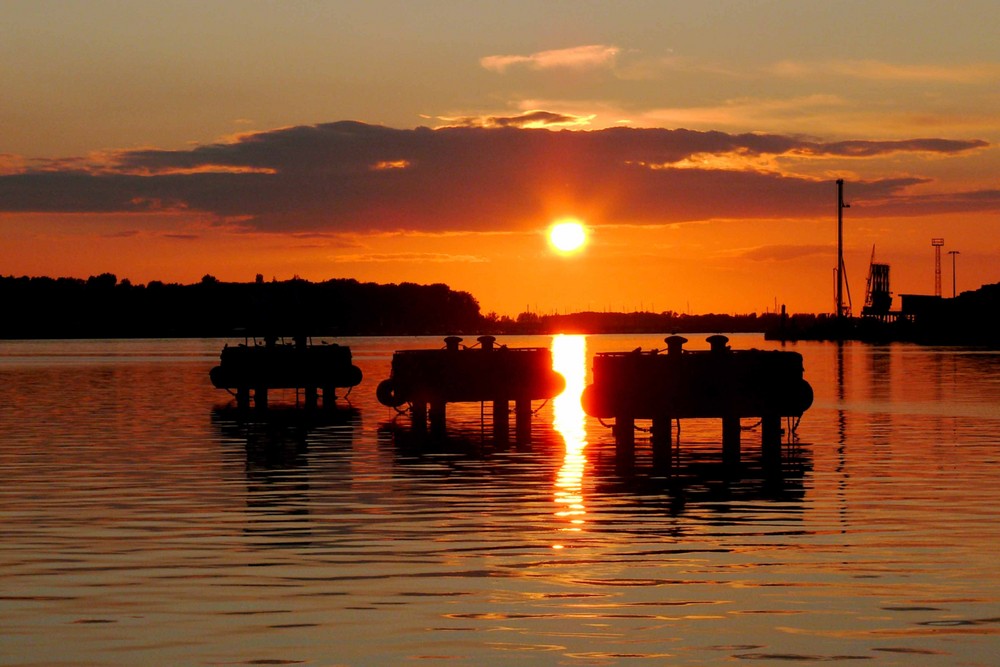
(567, 235)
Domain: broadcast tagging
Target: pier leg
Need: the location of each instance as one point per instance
(624, 432)
(522, 421)
(243, 398)
(437, 416)
(770, 441)
(501, 420)
(329, 397)
(662, 441)
(260, 398)
(731, 441)
(418, 416)
(312, 398)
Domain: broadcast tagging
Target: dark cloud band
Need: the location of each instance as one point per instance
(354, 176)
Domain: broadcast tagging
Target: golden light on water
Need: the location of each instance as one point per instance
(569, 357)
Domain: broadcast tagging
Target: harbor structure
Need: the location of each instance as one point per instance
(427, 380)
(250, 370)
(717, 383)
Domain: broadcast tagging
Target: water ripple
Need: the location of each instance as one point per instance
(143, 523)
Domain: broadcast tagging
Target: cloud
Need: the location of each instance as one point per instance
(434, 257)
(591, 56)
(529, 119)
(966, 73)
(12, 164)
(640, 68)
(784, 253)
(930, 204)
(876, 148)
(325, 179)
(748, 111)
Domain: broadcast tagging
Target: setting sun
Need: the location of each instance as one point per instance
(567, 236)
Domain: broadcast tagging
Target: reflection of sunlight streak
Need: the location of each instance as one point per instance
(569, 357)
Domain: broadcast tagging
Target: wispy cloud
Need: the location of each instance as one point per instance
(784, 253)
(434, 257)
(965, 73)
(635, 66)
(390, 164)
(760, 112)
(860, 148)
(591, 56)
(529, 119)
(12, 164)
(906, 204)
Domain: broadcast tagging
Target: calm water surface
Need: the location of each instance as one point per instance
(143, 524)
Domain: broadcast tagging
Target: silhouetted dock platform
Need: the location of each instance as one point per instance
(716, 383)
(430, 379)
(251, 370)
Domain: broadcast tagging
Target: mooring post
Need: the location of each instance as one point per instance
(624, 432)
(662, 442)
(522, 420)
(243, 398)
(770, 440)
(731, 440)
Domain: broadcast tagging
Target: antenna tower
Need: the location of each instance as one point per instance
(937, 243)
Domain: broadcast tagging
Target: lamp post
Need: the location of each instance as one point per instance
(953, 253)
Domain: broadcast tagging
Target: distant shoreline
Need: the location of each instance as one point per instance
(102, 307)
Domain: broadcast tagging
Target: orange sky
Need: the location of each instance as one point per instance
(699, 144)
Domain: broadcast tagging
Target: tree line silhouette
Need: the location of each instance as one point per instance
(105, 307)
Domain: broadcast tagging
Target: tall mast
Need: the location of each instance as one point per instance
(840, 248)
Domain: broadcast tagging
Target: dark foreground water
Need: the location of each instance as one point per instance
(139, 524)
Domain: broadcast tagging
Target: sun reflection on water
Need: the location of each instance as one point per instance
(569, 357)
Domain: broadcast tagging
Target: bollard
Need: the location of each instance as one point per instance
(675, 344)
